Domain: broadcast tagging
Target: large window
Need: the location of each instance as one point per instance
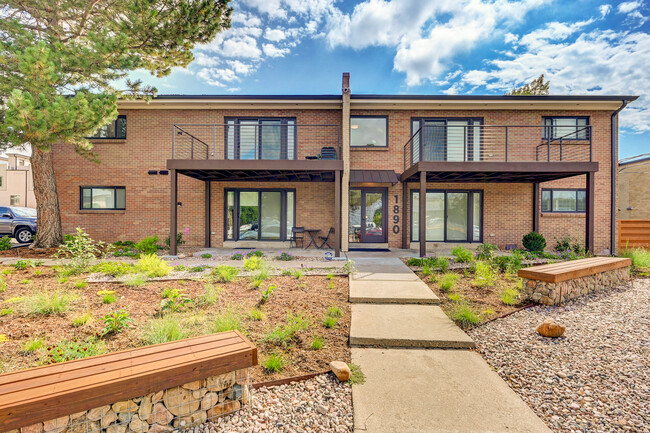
(103, 197)
(446, 139)
(451, 216)
(14, 200)
(564, 200)
(368, 131)
(256, 214)
(116, 129)
(567, 128)
(261, 138)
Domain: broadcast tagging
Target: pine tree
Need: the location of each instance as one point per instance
(537, 87)
(60, 60)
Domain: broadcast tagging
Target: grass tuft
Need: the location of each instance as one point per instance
(317, 343)
(227, 320)
(464, 315)
(33, 345)
(356, 375)
(165, 329)
(640, 256)
(48, 303)
(448, 280)
(152, 266)
(225, 273)
(82, 320)
(273, 363)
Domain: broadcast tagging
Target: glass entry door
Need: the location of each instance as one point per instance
(367, 215)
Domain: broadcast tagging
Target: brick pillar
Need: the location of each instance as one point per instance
(345, 155)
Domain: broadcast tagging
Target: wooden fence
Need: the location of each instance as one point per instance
(633, 233)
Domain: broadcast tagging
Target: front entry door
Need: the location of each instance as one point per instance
(368, 215)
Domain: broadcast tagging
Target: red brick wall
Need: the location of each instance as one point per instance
(507, 212)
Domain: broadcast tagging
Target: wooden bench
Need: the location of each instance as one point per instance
(53, 391)
(555, 283)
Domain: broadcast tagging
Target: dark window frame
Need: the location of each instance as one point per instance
(121, 116)
(369, 116)
(547, 128)
(576, 190)
(283, 210)
(470, 214)
(470, 144)
(91, 187)
(284, 139)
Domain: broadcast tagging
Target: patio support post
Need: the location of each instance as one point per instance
(173, 229)
(422, 225)
(404, 214)
(208, 230)
(337, 213)
(536, 207)
(589, 220)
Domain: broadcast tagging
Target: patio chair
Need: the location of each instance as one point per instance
(297, 234)
(327, 153)
(326, 239)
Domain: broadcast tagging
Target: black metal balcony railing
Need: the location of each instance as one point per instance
(255, 141)
(511, 143)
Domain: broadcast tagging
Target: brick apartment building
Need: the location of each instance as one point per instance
(241, 171)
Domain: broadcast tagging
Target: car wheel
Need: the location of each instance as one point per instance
(24, 235)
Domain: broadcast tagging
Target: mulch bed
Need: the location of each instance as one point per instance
(309, 296)
(29, 253)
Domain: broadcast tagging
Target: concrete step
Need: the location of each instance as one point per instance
(392, 325)
(391, 292)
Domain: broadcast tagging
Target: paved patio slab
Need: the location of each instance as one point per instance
(405, 326)
(413, 390)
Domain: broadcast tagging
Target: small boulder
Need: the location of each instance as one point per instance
(550, 328)
(341, 370)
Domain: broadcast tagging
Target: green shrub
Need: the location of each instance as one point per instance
(330, 277)
(135, 280)
(179, 240)
(3, 284)
(464, 315)
(80, 249)
(442, 263)
(165, 329)
(414, 261)
(486, 250)
(152, 266)
(237, 256)
(254, 253)
(317, 343)
(273, 363)
(455, 297)
(256, 314)
(225, 273)
(462, 254)
(116, 322)
(509, 296)
(32, 345)
(148, 245)
(48, 303)
(285, 257)
(485, 275)
(68, 350)
(534, 241)
(330, 322)
(510, 264)
(167, 292)
(5, 243)
(227, 320)
(426, 270)
(21, 265)
(334, 311)
(25, 281)
(81, 320)
(448, 281)
(107, 296)
(640, 257)
(210, 295)
(206, 256)
(253, 263)
(114, 269)
(175, 302)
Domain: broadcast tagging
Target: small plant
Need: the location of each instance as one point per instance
(116, 322)
(448, 281)
(210, 295)
(166, 292)
(334, 311)
(148, 245)
(165, 329)
(317, 343)
(455, 297)
(80, 249)
(237, 256)
(5, 243)
(285, 257)
(286, 272)
(442, 263)
(227, 320)
(348, 267)
(330, 277)
(225, 273)
(25, 281)
(179, 240)
(462, 254)
(114, 269)
(107, 296)
(199, 268)
(68, 350)
(261, 276)
(253, 263)
(32, 345)
(486, 251)
(331, 285)
(330, 322)
(509, 296)
(81, 284)
(254, 253)
(533, 241)
(356, 375)
(82, 320)
(509, 264)
(282, 335)
(426, 270)
(464, 315)
(273, 363)
(38, 272)
(136, 280)
(6, 271)
(206, 256)
(296, 273)
(256, 314)
(6, 312)
(152, 266)
(14, 300)
(48, 303)
(268, 292)
(21, 265)
(485, 275)
(62, 278)
(175, 302)
(640, 256)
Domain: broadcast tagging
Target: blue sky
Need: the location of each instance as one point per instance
(430, 47)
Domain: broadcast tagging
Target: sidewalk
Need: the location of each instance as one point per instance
(398, 336)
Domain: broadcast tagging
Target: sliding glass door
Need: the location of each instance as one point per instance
(261, 138)
(451, 216)
(253, 214)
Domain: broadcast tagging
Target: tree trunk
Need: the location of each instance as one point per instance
(49, 232)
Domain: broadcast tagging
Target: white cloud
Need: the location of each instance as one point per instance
(605, 9)
(273, 51)
(627, 7)
(274, 34)
(552, 32)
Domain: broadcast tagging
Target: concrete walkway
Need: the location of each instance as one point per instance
(412, 383)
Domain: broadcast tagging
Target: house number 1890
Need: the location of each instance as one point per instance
(396, 215)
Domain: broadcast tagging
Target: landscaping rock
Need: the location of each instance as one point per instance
(125, 406)
(551, 329)
(145, 407)
(108, 418)
(34, 428)
(179, 401)
(160, 415)
(56, 425)
(116, 428)
(341, 370)
(137, 425)
(98, 412)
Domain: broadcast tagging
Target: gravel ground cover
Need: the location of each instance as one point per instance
(322, 404)
(596, 378)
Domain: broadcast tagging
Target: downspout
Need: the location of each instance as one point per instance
(614, 165)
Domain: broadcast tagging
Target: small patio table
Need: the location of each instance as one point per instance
(312, 237)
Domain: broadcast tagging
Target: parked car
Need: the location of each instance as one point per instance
(18, 223)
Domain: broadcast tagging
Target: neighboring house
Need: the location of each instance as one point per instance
(16, 185)
(241, 171)
(633, 187)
